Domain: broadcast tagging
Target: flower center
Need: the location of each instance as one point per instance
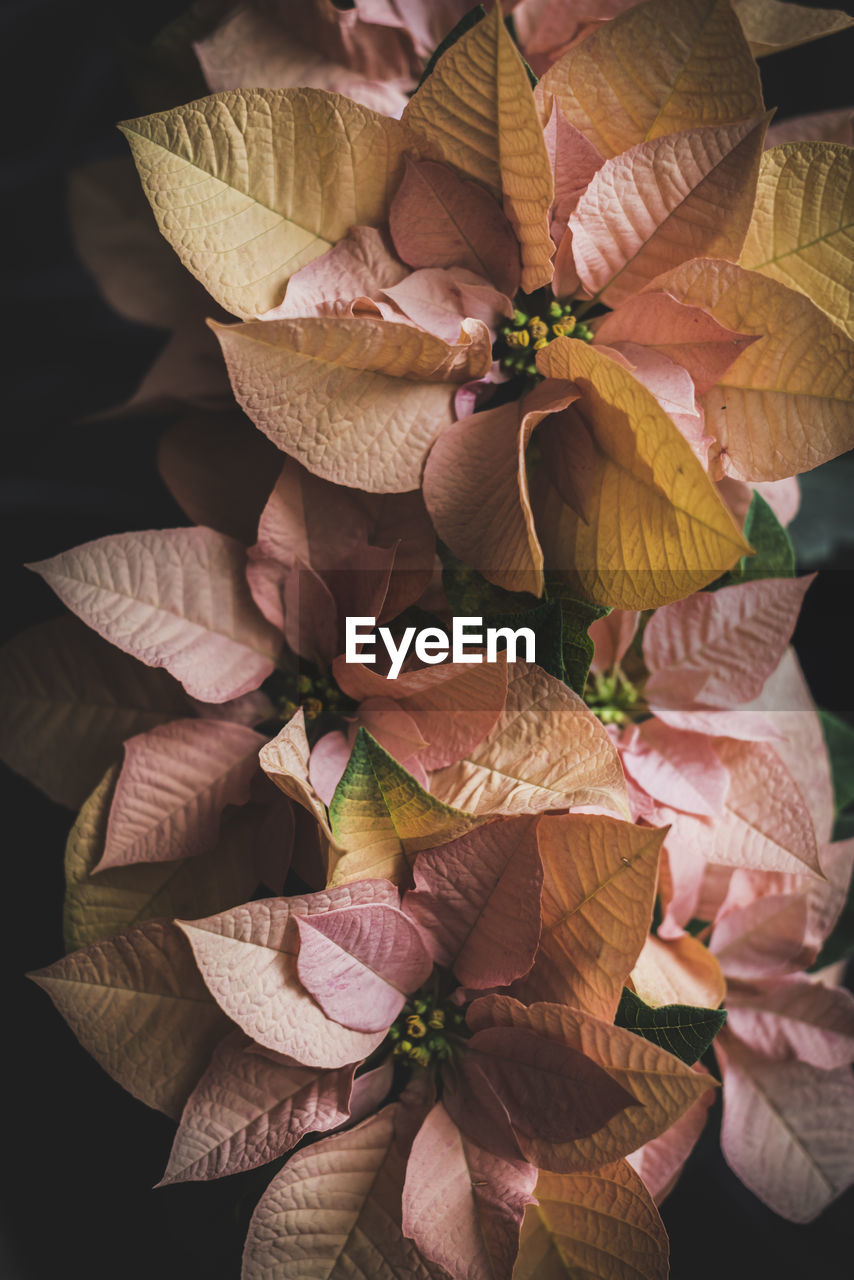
(613, 698)
(520, 340)
(323, 703)
(428, 1030)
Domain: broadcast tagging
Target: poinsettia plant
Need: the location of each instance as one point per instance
(477, 921)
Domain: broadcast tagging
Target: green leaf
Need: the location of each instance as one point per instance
(466, 22)
(560, 622)
(577, 615)
(775, 555)
(680, 1029)
(381, 816)
(839, 737)
(546, 621)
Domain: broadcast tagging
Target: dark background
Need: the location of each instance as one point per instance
(82, 1155)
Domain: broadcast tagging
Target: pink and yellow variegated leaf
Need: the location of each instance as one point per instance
(771, 26)
(254, 46)
(599, 883)
(547, 751)
(661, 1161)
(476, 488)
(601, 1224)
(663, 1086)
(794, 1018)
(361, 962)
(218, 468)
(439, 219)
(251, 1106)
(477, 902)
(452, 705)
(659, 204)
(800, 232)
(644, 524)
(137, 1004)
(68, 700)
(678, 971)
(763, 939)
(788, 1129)
(477, 110)
(99, 906)
(717, 649)
(765, 824)
(174, 784)
(688, 336)
(785, 405)
(174, 598)
(462, 1205)
(530, 1072)
(334, 1211)
(238, 183)
(366, 398)
(248, 959)
(352, 271)
(654, 71)
(438, 299)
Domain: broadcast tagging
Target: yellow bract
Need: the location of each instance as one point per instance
(655, 69)
(602, 1225)
(250, 185)
(787, 403)
(357, 401)
(478, 111)
(802, 229)
(771, 26)
(653, 528)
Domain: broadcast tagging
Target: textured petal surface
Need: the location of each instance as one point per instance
(547, 751)
(438, 219)
(476, 488)
(649, 527)
(174, 784)
(717, 649)
(654, 71)
(174, 598)
(237, 183)
(663, 1085)
(478, 111)
(796, 1019)
(361, 962)
(98, 906)
(785, 406)
(688, 336)
(601, 1225)
(802, 228)
(477, 902)
(333, 1212)
(462, 1205)
(365, 398)
(251, 1106)
(660, 204)
(382, 816)
(63, 686)
(248, 959)
(137, 1004)
(788, 1130)
(599, 880)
